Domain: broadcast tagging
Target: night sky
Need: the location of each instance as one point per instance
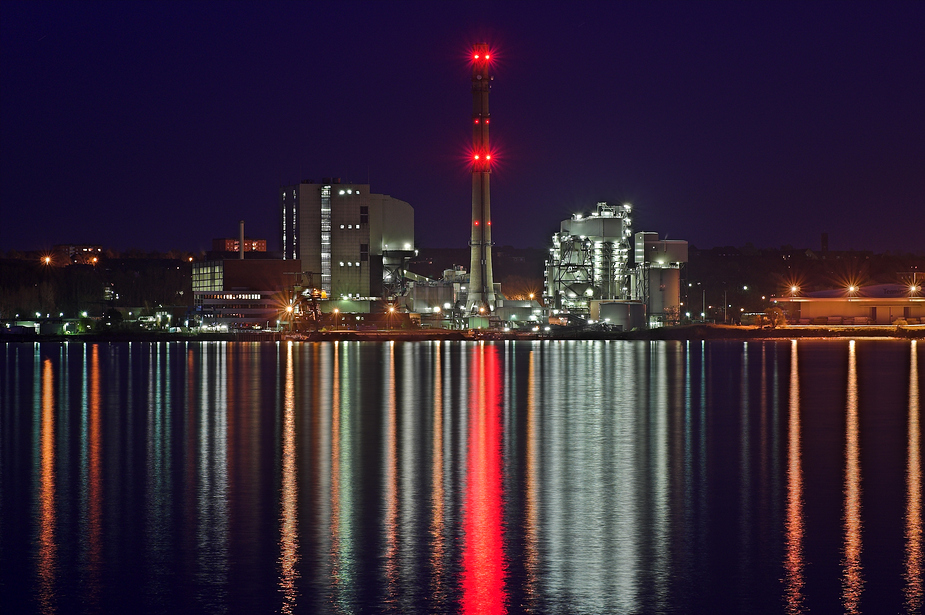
(160, 125)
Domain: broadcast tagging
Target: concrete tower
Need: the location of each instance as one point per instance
(481, 284)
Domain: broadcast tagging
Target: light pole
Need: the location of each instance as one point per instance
(336, 313)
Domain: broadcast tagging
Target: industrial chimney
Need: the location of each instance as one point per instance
(481, 285)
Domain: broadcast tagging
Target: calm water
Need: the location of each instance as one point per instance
(547, 477)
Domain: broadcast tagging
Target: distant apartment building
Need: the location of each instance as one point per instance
(79, 254)
(233, 244)
(354, 243)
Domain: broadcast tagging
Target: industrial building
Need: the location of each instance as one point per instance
(658, 277)
(354, 244)
(878, 304)
(243, 293)
(588, 260)
(589, 276)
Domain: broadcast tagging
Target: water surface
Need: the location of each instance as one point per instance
(475, 477)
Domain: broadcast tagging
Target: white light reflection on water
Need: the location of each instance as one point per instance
(852, 577)
(390, 465)
(912, 592)
(550, 476)
(211, 512)
(438, 551)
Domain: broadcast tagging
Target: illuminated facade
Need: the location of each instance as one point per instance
(588, 259)
(354, 243)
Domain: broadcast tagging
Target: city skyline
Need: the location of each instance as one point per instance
(160, 126)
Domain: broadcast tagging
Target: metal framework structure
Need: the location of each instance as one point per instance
(588, 259)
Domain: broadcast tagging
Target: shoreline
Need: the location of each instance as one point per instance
(681, 333)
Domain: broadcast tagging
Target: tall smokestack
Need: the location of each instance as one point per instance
(481, 284)
(241, 242)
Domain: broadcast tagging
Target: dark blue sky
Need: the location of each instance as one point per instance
(160, 125)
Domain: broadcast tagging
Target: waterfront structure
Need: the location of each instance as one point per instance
(877, 304)
(658, 276)
(588, 260)
(355, 244)
(481, 292)
(243, 293)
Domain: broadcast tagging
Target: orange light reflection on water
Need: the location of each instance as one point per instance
(912, 592)
(288, 522)
(793, 561)
(95, 485)
(852, 578)
(437, 521)
(48, 548)
(483, 565)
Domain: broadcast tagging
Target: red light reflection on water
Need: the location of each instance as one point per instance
(483, 566)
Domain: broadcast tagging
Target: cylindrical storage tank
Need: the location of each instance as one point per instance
(664, 290)
(624, 315)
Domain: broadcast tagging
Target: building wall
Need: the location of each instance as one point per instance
(361, 225)
(878, 311)
(235, 292)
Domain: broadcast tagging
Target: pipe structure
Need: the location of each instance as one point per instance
(481, 284)
(241, 242)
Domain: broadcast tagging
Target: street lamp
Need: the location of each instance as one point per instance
(336, 313)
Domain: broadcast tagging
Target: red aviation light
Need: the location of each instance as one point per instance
(476, 223)
(487, 156)
(476, 156)
(476, 56)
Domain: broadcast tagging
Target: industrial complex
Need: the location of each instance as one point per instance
(347, 260)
